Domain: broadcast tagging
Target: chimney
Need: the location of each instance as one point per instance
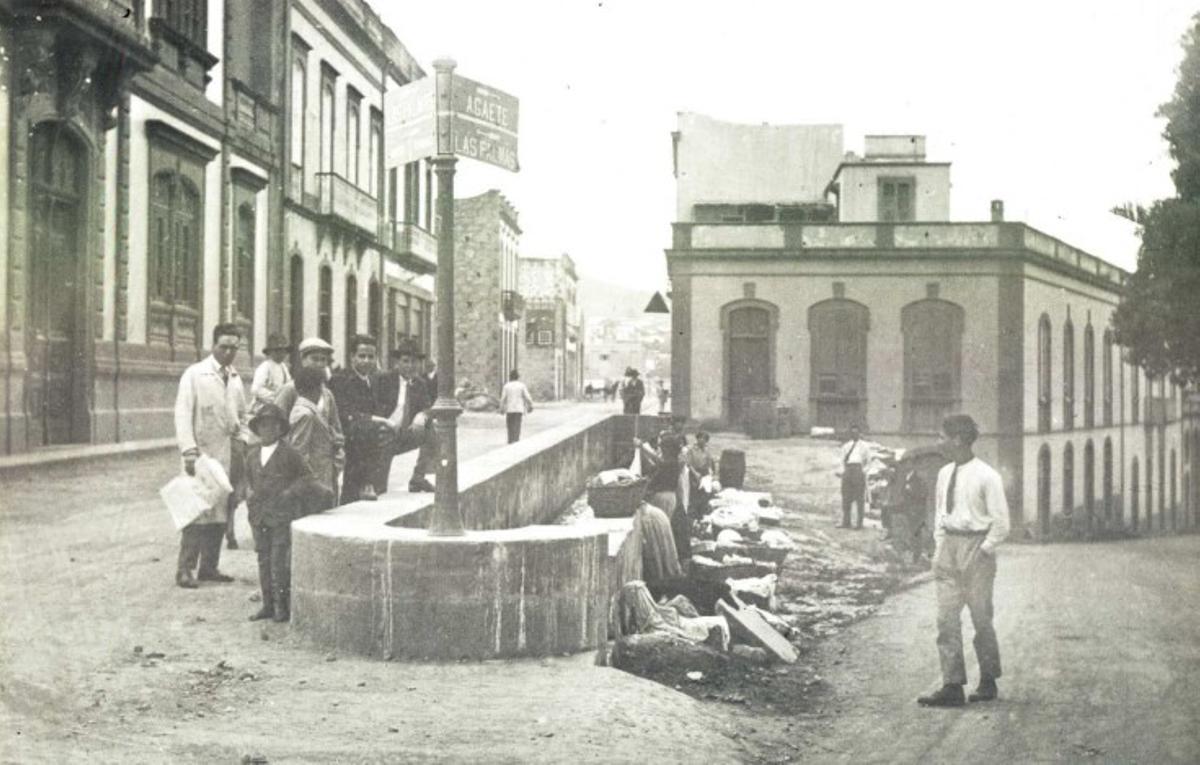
(997, 211)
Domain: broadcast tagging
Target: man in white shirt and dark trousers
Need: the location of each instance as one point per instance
(855, 455)
(971, 520)
(515, 403)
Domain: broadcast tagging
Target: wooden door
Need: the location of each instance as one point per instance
(749, 359)
(56, 363)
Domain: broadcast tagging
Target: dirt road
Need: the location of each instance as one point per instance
(1101, 652)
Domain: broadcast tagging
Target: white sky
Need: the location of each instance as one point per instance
(1047, 105)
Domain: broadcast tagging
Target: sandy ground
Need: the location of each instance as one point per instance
(103, 659)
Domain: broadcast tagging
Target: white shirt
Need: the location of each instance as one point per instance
(856, 452)
(514, 398)
(401, 400)
(979, 502)
(266, 453)
(269, 379)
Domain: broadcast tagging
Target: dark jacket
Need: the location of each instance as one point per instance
(281, 490)
(357, 400)
(419, 398)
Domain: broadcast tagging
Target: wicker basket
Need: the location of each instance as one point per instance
(619, 500)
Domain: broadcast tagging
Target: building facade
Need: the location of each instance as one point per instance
(872, 308)
(552, 362)
(168, 166)
(488, 305)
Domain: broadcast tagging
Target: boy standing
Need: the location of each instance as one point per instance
(272, 374)
(311, 434)
(281, 487)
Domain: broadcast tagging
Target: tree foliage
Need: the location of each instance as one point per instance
(1158, 322)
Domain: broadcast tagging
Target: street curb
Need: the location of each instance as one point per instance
(65, 455)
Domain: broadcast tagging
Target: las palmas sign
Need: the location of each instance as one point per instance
(474, 120)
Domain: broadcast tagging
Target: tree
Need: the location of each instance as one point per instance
(1157, 322)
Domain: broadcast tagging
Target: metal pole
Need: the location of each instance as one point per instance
(447, 520)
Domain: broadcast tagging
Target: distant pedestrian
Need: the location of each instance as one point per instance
(633, 391)
(281, 488)
(855, 456)
(272, 374)
(210, 414)
(515, 403)
(970, 521)
(663, 396)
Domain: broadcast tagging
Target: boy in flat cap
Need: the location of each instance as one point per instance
(281, 488)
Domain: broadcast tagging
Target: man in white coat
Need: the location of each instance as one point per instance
(515, 403)
(210, 412)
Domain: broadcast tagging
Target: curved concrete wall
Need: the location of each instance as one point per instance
(364, 587)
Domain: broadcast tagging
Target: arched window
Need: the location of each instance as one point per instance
(351, 313)
(353, 138)
(1045, 391)
(1068, 487)
(1135, 491)
(838, 362)
(1108, 377)
(1108, 480)
(327, 125)
(1089, 377)
(1089, 482)
(1043, 484)
(932, 331)
(299, 106)
(296, 300)
(749, 329)
(1068, 375)
(244, 264)
(325, 305)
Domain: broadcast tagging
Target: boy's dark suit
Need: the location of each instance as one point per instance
(358, 399)
(418, 398)
(280, 491)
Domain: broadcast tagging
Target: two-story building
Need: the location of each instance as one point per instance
(552, 361)
(838, 287)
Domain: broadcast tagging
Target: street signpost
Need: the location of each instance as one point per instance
(445, 117)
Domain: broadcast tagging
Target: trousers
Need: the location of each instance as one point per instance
(424, 439)
(512, 421)
(964, 576)
(854, 486)
(273, 544)
(200, 542)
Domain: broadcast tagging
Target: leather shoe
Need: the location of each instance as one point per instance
(986, 691)
(185, 580)
(231, 543)
(215, 576)
(947, 696)
(420, 484)
(263, 613)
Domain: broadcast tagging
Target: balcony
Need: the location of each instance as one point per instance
(414, 247)
(512, 305)
(339, 199)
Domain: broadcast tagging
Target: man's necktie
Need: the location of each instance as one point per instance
(846, 458)
(950, 491)
(225, 376)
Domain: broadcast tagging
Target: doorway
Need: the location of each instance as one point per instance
(749, 359)
(57, 361)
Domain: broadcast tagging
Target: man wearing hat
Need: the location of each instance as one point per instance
(318, 354)
(210, 414)
(272, 374)
(633, 392)
(405, 399)
(281, 488)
